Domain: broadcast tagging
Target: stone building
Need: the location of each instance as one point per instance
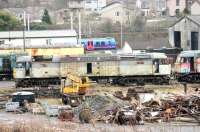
(185, 33)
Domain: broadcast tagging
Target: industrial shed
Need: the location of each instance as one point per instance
(185, 33)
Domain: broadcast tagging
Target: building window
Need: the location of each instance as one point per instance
(117, 13)
(2, 42)
(177, 11)
(127, 13)
(177, 2)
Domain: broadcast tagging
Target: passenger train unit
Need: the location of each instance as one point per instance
(91, 44)
(138, 68)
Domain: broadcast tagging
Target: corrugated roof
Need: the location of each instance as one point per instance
(38, 34)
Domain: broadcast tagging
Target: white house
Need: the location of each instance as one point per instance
(38, 39)
(94, 5)
(116, 12)
(195, 8)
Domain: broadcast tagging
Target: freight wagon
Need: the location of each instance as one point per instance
(116, 69)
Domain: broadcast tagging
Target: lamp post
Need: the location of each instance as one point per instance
(24, 29)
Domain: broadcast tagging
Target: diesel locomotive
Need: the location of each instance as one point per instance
(140, 68)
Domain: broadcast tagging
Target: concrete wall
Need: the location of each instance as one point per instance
(185, 26)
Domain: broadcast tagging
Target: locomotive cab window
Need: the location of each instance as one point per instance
(163, 61)
(191, 61)
(20, 65)
(184, 60)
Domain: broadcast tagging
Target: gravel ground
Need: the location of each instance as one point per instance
(37, 123)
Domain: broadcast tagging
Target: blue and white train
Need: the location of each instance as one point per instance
(99, 43)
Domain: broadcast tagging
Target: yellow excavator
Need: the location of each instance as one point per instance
(73, 89)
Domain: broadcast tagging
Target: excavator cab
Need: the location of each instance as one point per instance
(73, 89)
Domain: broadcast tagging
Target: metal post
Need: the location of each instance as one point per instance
(71, 20)
(79, 20)
(121, 34)
(28, 22)
(185, 87)
(24, 29)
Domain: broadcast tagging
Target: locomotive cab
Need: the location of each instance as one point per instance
(188, 62)
(161, 65)
(23, 67)
(187, 66)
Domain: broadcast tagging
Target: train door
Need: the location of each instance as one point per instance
(156, 65)
(27, 69)
(191, 61)
(194, 40)
(90, 45)
(185, 65)
(89, 68)
(164, 66)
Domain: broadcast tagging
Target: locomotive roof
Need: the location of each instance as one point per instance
(90, 58)
(190, 53)
(158, 55)
(23, 93)
(24, 59)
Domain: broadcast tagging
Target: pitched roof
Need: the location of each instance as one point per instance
(193, 18)
(196, 1)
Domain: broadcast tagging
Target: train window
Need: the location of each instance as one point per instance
(163, 61)
(83, 43)
(184, 60)
(109, 43)
(20, 65)
(102, 43)
(97, 44)
(2, 41)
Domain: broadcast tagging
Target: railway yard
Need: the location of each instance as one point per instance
(139, 91)
(108, 108)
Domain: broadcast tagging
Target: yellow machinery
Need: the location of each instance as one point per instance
(73, 88)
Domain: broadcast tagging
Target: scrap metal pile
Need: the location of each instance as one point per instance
(133, 109)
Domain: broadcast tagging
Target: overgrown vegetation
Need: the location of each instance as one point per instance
(46, 17)
(8, 22)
